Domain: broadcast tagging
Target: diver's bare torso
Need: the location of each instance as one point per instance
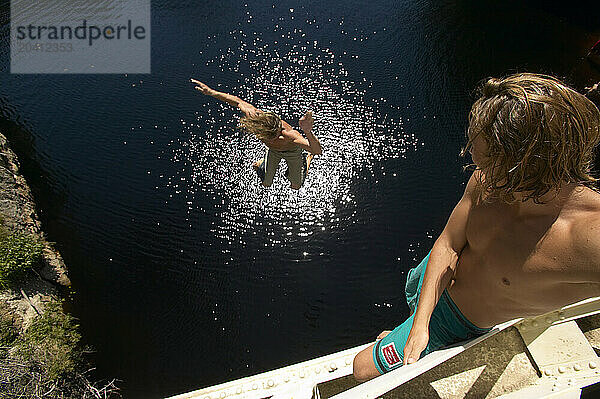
(517, 265)
(285, 141)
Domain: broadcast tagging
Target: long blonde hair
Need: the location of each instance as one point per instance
(539, 133)
(264, 125)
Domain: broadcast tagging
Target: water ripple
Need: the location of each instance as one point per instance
(287, 77)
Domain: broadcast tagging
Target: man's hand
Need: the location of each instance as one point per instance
(306, 122)
(204, 89)
(415, 344)
(592, 88)
(232, 100)
(383, 334)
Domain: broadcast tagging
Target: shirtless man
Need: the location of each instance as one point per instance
(281, 139)
(525, 237)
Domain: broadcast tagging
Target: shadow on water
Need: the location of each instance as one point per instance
(48, 196)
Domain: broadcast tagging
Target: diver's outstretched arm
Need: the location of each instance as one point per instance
(247, 108)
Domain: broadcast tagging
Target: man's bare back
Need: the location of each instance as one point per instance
(285, 141)
(527, 259)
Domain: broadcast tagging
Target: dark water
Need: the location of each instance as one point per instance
(186, 272)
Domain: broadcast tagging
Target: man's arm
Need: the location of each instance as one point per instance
(310, 143)
(440, 269)
(247, 108)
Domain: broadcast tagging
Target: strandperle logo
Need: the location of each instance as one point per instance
(90, 33)
(63, 36)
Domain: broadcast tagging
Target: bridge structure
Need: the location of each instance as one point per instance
(553, 355)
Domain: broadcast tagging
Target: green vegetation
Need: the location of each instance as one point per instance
(18, 254)
(8, 331)
(51, 342)
(45, 360)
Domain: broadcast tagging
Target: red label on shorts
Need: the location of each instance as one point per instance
(390, 354)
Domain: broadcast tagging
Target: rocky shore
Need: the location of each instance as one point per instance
(41, 351)
(18, 213)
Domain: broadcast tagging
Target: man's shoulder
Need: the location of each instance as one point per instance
(585, 228)
(286, 126)
(587, 205)
(291, 136)
(290, 132)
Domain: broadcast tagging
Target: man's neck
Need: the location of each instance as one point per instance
(550, 204)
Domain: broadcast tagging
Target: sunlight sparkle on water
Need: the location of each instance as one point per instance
(287, 77)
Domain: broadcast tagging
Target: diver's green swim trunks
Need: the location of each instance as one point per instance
(446, 327)
(296, 163)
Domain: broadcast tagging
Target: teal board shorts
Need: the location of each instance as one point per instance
(446, 327)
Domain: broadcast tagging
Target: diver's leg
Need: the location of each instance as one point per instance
(257, 164)
(259, 168)
(385, 355)
(364, 366)
(296, 172)
(266, 167)
(308, 160)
